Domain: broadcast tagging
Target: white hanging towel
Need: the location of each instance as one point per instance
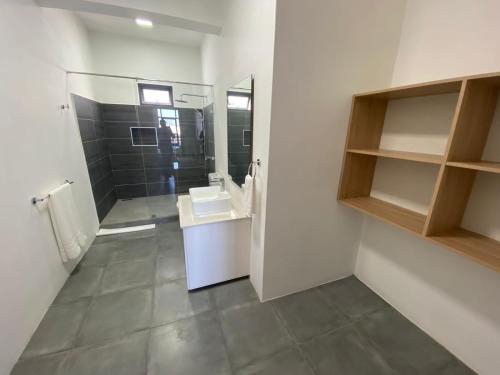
(249, 194)
(66, 222)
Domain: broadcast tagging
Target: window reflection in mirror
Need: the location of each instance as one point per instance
(239, 129)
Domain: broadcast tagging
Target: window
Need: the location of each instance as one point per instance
(143, 136)
(171, 118)
(239, 100)
(155, 94)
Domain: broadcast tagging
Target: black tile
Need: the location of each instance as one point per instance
(188, 131)
(126, 162)
(87, 130)
(92, 151)
(210, 166)
(185, 174)
(99, 170)
(102, 188)
(190, 146)
(238, 117)
(128, 176)
(148, 113)
(100, 131)
(236, 146)
(158, 174)
(122, 146)
(157, 161)
(96, 111)
(118, 129)
(155, 150)
(130, 191)
(83, 107)
(119, 112)
(106, 205)
(160, 188)
(190, 161)
(240, 158)
(183, 187)
(188, 114)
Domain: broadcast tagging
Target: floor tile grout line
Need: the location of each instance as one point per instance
(218, 318)
(295, 342)
(92, 301)
(373, 346)
(153, 307)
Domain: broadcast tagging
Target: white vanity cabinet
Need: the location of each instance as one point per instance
(216, 247)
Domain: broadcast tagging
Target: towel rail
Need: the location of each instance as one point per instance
(36, 200)
(253, 163)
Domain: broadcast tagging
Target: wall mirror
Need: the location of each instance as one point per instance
(239, 105)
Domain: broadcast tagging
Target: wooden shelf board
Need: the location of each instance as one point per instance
(403, 155)
(482, 249)
(422, 89)
(483, 165)
(388, 212)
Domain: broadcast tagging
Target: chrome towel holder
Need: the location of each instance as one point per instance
(252, 164)
(36, 200)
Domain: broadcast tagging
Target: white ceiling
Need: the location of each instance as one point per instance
(127, 27)
(183, 22)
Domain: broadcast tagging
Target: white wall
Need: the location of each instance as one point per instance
(452, 298)
(323, 54)
(40, 147)
(127, 56)
(245, 47)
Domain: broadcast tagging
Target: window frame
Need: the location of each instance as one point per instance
(177, 134)
(142, 86)
(243, 94)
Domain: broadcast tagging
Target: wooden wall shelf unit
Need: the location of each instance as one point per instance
(458, 167)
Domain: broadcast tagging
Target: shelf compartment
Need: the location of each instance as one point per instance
(388, 212)
(483, 165)
(402, 155)
(477, 247)
(421, 89)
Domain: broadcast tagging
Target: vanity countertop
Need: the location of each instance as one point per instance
(188, 219)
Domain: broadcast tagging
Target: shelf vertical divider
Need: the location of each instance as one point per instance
(469, 131)
(365, 130)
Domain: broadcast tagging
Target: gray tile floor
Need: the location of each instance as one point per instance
(140, 209)
(127, 312)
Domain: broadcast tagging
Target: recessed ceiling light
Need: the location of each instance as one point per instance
(144, 22)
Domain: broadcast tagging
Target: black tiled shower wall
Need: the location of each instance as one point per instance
(93, 136)
(140, 171)
(239, 156)
(208, 113)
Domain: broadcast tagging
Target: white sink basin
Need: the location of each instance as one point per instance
(209, 200)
